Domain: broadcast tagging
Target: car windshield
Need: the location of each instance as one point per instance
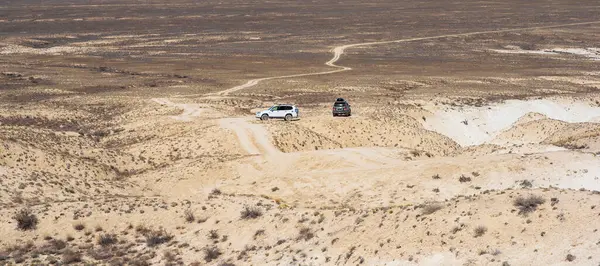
(339, 104)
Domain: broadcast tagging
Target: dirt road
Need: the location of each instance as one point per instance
(339, 51)
(189, 110)
(253, 137)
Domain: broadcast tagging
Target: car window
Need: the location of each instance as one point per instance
(274, 108)
(340, 104)
(286, 108)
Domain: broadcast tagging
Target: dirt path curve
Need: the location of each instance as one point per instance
(189, 110)
(339, 51)
(254, 138)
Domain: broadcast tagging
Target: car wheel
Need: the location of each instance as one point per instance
(288, 117)
(264, 117)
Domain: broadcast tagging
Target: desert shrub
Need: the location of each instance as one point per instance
(79, 226)
(157, 237)
(305, 234)
(169, 257)
(211, 253)
(431, 208)
(258, 233)
(226, 264)
(107, 240)
(456, 229)
(26, 220)
(464, 178)
(436, 176)
(528, 204)
(70, 256)
(251, 213)
(415, 153)
(142, 229)
(570, 257)
(480, 230)
(215, 192)
(213, 234)
(189, 216)
(525, 184)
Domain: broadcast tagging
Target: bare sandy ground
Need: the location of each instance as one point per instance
(469, 144)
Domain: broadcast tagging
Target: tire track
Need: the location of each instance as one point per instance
(339, 51)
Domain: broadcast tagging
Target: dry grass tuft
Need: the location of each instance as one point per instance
(305, 234)
(431, 208)
(251, 213)
(79, 226)
(189, 216)
(70, 256)
(480, 231)
(211, 253)
(107, 240)
(157, 237)
(26, 220)
(528, 204)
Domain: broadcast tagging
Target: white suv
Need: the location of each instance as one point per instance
(285, 111)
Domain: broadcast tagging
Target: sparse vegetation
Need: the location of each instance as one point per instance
(415, 153)
(305, 234)
(525, 184)
(213, 234)
(157, 237)
(79, 226)
(528, 204)
(107, 240)
(570, 257)
(102, 130)
(70, 256)
(26, 219)
(258, 233)
(480, 231)
(211, 253)
(251, 213)
(431, 208)
(189, 216)
(464, 178)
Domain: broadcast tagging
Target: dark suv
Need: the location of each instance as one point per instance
(341, 107)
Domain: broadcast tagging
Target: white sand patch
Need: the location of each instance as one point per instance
(508, 51)
(57, 50)
(478, 125)
(592, 53)
(444, 258)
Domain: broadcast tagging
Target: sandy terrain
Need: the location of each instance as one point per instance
(128, 136)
